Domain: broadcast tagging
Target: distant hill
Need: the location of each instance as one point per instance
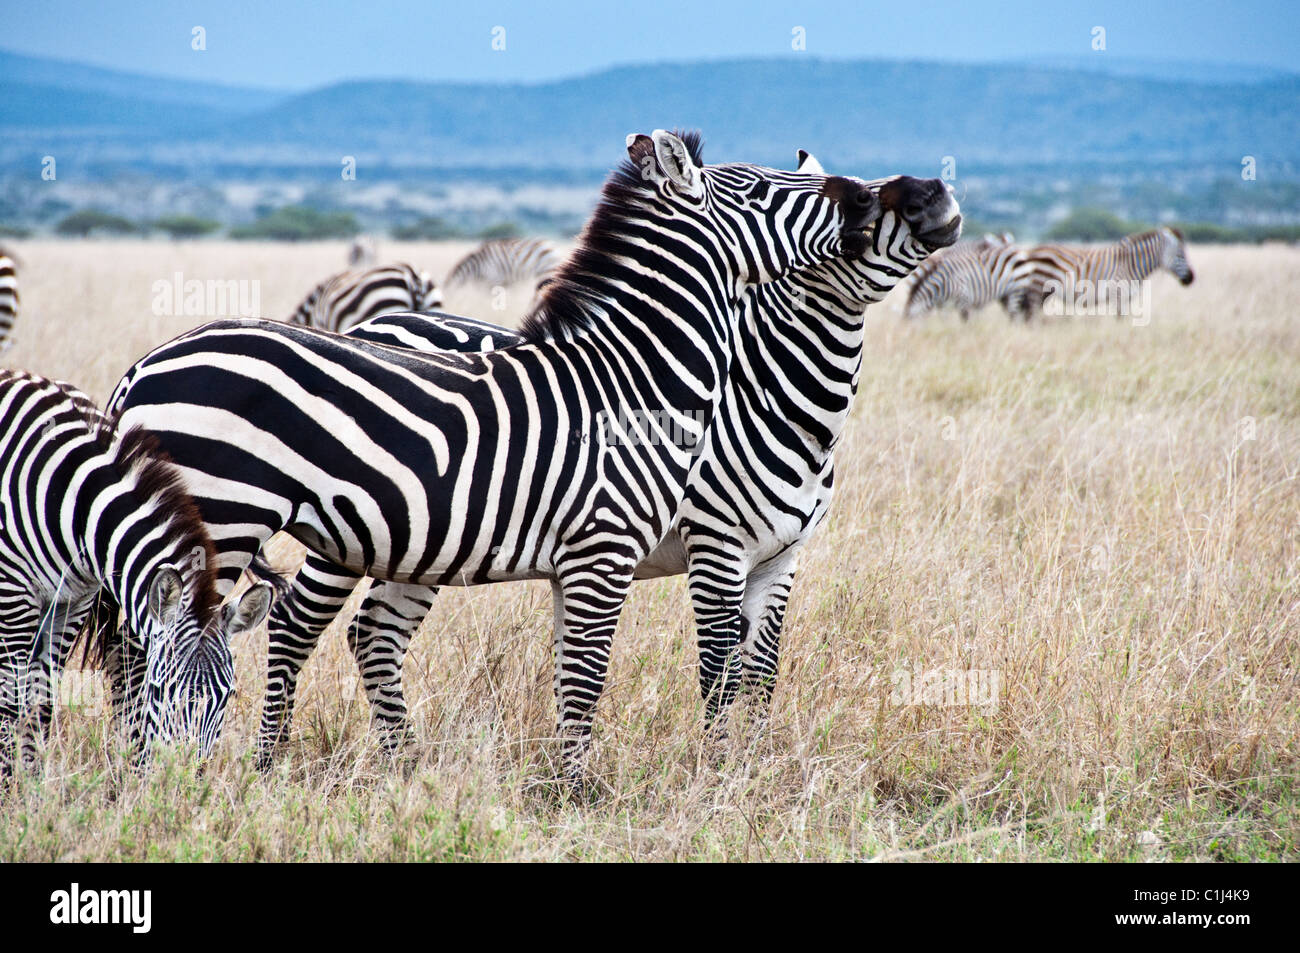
(871, 116)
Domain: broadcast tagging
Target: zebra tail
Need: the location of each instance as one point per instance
(263, 571)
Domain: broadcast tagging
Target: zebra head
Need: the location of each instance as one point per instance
(189, 671)
(771, 221)
(1173, 255)
(918, 216)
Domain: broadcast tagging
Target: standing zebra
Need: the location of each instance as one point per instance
(82, 509)
(8, 297)
(350, 297)
(970, 276)
(505, 261)
(462, 469)
(760, 488)
(1102, 274)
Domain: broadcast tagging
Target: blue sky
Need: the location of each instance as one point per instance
(298, 45)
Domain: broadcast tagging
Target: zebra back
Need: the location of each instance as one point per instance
(506, 261)
(350, 297)
(969, 276)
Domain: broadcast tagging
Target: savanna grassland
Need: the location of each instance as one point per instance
(1100, 519)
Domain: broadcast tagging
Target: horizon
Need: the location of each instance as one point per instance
(288, 52)
(1079, 63)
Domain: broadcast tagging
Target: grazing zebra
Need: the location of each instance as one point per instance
(970, 276)
(81, 509)
(1102, 274)
(506, 261)
(349, 298)
(746, 512)
(8, 297)
(462, 469)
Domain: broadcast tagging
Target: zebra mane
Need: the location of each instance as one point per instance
(137, 454)
(565, 303)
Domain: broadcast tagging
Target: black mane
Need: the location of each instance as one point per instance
(563, 305)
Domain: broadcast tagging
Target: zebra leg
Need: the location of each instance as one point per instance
(588, 600)
(47, 652)
(716, 578)
(123, 660)
(19, 620)
(764, 616)
(317, 593)
(378, 638)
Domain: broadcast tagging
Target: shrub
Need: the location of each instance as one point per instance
(294, 223)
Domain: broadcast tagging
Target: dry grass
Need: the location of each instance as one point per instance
(1105, 516)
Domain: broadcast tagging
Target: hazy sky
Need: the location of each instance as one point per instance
(298, 45)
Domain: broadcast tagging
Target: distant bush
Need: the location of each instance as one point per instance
(295, 223)
(427, 229)
(1091, 225)
(500, 230)
(14, 231)
(186, 226)
(1210, 234)
(90, 220)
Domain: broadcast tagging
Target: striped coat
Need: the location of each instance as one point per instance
(761, 486)
(350, 297)
(471, 468)
(1068, 273)
(969, 276)
(84, 509)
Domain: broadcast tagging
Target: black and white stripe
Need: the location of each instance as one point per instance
(349, 298)
(1055, 269)
(501, 262)
(82, 510)
(969, 276)
(472, 468)
(8, 297)
(760, 488)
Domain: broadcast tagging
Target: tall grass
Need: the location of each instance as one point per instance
(1104, 518)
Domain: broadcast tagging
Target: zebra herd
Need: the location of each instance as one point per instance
(674, 398)
(1028, 280)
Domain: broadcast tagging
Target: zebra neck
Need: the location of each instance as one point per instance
(125, 539)
(799, 349)
(665, 311)
(1142, 255)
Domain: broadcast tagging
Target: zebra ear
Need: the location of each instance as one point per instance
(675, 162)
(164, 599)
(808, 164)
(248, 611)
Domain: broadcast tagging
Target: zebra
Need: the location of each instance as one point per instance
(406, 466)
(506, 261)
(83, 507)
(970, 276)
(1059, 270)
(351, 297)
(363, 253)
(8, 297)
(746, 512)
